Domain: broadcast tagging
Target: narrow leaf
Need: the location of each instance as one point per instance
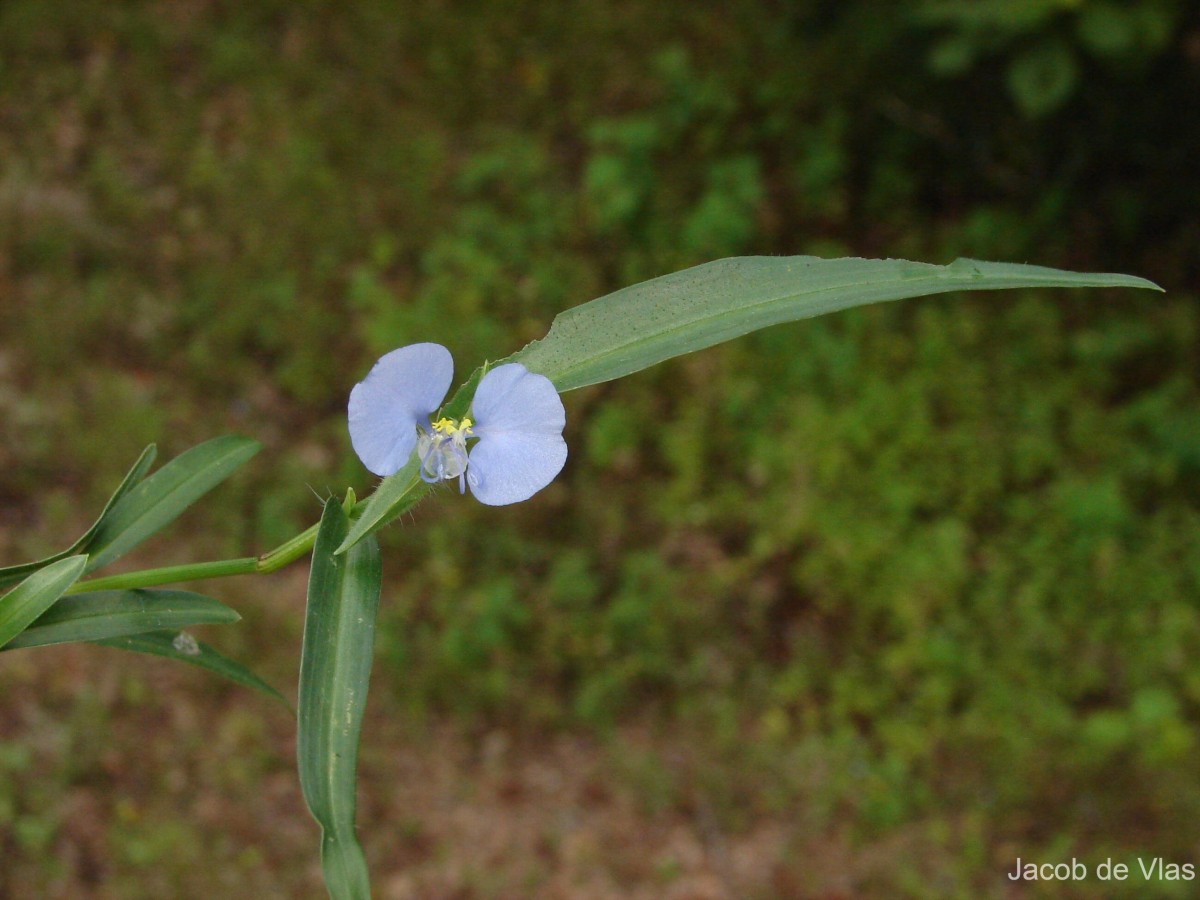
(335, 668)
(647, 323)
(11, 574)
(158, 500)
(99, 615)
(32, 597)
(181, 646)
(396, 495)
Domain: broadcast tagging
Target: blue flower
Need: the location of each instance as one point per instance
(514, 427)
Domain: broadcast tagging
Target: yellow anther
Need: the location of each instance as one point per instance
(451, 426)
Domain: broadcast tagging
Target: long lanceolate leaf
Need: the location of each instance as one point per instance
(647, 323)
(12, 574)
(131, 620)
(181, 646)
(158, 500)
(335, 667)
(33, 596)
(99, 615)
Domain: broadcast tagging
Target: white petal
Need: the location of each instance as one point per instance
(402, 389)
(509, 467)
(511, 398)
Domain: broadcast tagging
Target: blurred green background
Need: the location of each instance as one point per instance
(869, 605)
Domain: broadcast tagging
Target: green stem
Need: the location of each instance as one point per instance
(271, 561)
(287, 551)
(168, 575)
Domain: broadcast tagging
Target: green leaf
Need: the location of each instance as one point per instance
(21, 606)
(335, 668)
(396, 495)
(12, 574)
(642, 325)
(181, 646)
(127, 619)
(158, 500)
(99, 615)
(647, 323)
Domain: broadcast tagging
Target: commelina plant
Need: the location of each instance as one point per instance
(499, 435)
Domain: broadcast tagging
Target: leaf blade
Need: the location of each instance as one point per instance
(639, 326)
(335, 666)
(99, 615)
(158, 501)
(168, 644)
(12, 574)
(38, 592)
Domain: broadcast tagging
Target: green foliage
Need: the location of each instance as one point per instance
(645, 324)
(906, 572)
(335, 671)
(11, 574)
(154, 503)
(102, 615)
(182, 647)
(36, 593)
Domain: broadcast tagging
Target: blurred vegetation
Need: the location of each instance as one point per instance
(933, 566)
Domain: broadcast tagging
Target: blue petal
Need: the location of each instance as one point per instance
(511, 398)
(518, 418)
(509, 468)
(401, 390)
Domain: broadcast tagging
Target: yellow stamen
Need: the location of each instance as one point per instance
(451, 426)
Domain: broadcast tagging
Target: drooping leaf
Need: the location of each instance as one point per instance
(158, 500)
(32, 597)
(181, 646)
(12, 574)
(647, 323)
(335, 668)
(99, 615)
